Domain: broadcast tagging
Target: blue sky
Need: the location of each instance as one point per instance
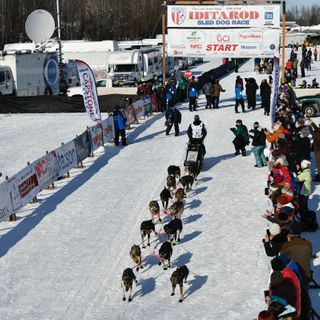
(291, 3)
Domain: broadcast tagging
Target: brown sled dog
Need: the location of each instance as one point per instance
(135, 254)
(127, 280)
(154, 209)
(180, 194)
(176, 209)
(178, 277)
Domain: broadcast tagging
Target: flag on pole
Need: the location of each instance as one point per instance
(89, 90)
(275, 88)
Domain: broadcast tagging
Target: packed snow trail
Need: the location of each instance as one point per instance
(64, 260)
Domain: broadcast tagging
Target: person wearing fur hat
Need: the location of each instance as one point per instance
(274, 239)
(259, 144)
(241, 139)
(304, 177)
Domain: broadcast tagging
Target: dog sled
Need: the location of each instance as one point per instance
(194, 155)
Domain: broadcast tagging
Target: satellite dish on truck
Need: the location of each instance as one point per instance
(39, 26)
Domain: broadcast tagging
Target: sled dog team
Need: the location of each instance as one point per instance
(176, 188)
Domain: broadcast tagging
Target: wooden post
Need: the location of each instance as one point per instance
(13, 216)
(52, 184)
(34, 200)
(283, 41)
(164, 7)
(91, 155)
(68, 173)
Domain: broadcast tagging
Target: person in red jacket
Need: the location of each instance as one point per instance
(289, 65)
(287, 273)
(278, 264)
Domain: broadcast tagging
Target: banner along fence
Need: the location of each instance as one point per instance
(21, 188)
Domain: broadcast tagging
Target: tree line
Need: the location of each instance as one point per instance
(91, 20)
(106, 19)
(305, 15)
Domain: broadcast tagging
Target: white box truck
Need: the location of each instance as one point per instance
(132, 66)
(29, 74)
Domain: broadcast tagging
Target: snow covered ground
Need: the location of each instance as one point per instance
(64, 257)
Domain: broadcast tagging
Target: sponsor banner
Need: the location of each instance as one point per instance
(216, 43)
(228, 16)
(95, 134)
(130, 115)
(44, 169)
(89, 90)
(275, 88)
(5, 202)
(23, 187)
(83, 146)
(64, 158)
(139, 109)
(108, 129)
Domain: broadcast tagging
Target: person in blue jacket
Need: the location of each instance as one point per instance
(192, 95)
(119, 120)
(239, 98)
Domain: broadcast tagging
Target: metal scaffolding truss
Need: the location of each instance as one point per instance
(222, 2)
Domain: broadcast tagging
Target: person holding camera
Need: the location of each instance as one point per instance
(241, 139)
(259, 144)
(274, 239)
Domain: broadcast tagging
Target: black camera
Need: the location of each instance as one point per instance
(266, 191)
(268, 232)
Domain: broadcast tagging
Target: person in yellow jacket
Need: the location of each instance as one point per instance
(304, 178)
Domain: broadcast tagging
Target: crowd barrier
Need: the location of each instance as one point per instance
(21, 188)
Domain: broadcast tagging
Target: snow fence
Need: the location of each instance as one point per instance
(23, 187)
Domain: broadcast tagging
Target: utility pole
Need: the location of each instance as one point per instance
(283, 40)
(164, 8)
(59, 32)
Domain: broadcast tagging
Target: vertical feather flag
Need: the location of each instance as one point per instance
(89, 90)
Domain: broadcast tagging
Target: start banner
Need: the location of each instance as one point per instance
(217, 43)
(228, 16)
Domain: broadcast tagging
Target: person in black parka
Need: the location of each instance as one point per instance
(251, 90)
(265, 93)
(173, 117)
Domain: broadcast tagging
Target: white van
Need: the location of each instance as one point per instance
(132, 66)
